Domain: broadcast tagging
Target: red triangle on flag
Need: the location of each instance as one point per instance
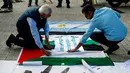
(29, 54)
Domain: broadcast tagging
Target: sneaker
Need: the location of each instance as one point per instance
(10, 40)
(110, 50)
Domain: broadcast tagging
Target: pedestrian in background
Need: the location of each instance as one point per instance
(30, 3)
(7, 5)
(60, 3)
(49, 0)
(85, 2)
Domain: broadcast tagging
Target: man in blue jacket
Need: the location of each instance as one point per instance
(112, 30)
(28, 26)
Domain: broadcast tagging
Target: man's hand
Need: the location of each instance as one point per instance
(76, 48)
(46, 52)
(47, 42)
(73, 50)
(50, 47)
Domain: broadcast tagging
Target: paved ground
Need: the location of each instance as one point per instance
(8, 20)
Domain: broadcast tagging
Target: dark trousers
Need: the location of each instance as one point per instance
(10, 5)
(30, 2)
(60, 2)
(27, 40)
(86, 2)
(99, 37)
(7, 4)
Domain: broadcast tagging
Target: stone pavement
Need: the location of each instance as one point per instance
(8, 20)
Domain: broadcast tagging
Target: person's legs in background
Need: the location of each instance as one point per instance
(5, 4)
(85, 2)
(51, 1)
(10, 5)
(128, 52)
(59, 4)
(29, 3)
(99, 37)
(36, 2)
(68, 3)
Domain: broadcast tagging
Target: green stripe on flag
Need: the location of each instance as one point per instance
(106, 61)
(51, 42)
(89, 42)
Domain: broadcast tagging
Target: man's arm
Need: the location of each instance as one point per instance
(84, 38)
(46, 31)
(35, 34)
(76, 48)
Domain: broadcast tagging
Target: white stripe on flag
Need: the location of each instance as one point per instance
(32, 63)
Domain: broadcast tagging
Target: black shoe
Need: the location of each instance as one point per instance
(68, 6)
(10, 9)
(4, 7)
(29, 5)
(110, 50)
(36, 4)
(58, 6)
(82, 5)
(85, 4)
(10, 40)
(128, 52)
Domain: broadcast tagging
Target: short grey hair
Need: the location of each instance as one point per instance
(45, 9)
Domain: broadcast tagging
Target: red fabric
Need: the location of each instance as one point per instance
(29, 54)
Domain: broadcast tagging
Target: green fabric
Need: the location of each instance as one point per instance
(51, 42)
(74, 61)
(89, 42)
